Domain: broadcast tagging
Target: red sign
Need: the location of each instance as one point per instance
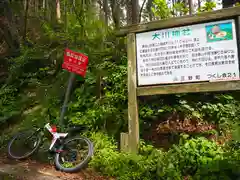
(75, 62)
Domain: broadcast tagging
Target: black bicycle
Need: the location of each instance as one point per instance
(66, 156)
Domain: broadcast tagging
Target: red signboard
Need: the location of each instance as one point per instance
(75, 62)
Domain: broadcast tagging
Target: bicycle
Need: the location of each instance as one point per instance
(60, 145)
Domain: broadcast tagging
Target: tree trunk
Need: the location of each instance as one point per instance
(52, 11)
(44, 4)
(199, 3)
(105, 9)
(48, 13)
(65, 15)
(9, 34)
(25, 21)
(140, 13)
(58, 11)
(135, 11)
(129, 11)
(229, 3)
(190, 2)
(115, 6)
(149, 10)
(36, 5)
(25, 4)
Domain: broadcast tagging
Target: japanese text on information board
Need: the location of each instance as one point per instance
(202, 52)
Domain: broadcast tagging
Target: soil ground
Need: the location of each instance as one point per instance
(32, 170)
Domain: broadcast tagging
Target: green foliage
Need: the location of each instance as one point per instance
(180, 8)
(122, 165)
(108, 111)
(222, 113)
(220, 109)
(9, 103)
(228, 167)
(197, 158)
(189, 155)
(160, 9)
(208, 6)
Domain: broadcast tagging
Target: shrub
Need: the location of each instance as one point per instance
(186, 159)
(124, 166)
(191, 154)
(226, 168)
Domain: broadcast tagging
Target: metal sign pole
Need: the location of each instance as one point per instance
(66, 99)
(75, 63)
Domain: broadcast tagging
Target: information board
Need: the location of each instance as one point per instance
(201, 52)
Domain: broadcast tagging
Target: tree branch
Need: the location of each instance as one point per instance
(140, 13)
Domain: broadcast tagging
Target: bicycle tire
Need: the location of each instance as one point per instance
(11, 155)
(80, 165)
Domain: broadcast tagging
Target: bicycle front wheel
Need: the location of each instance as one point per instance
(24, 144)
(74, 154)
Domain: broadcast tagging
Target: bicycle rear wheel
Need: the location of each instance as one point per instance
(67, 154)
(29, 142)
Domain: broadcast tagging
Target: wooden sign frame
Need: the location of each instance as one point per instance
(130, 140)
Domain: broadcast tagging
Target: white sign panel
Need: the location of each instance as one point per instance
(202, 52)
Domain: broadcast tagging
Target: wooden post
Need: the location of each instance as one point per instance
(238, 35)
(124, 142)
(133, 124)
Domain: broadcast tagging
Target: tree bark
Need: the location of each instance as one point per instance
(190, 2)
(149, 10)
(8, 34)
(44, 4)
(58, 11)
(115, 6)
(25, 20)
(52, 11)
(129, 11)
(105, 9)
(65, 15)
(199, 3)
(140, 13)
(229, 3)
(135, 11)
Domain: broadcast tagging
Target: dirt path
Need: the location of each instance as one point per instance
(32, 170)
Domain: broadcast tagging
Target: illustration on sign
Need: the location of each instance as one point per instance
(75, 62)
(219, 32)
(201, 52)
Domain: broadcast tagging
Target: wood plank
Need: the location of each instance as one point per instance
(189, 88)
(238, 36)
(124, 142)
(181, 21)
(133, 124)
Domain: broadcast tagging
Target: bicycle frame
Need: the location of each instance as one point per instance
(56, 136)
(58, 144)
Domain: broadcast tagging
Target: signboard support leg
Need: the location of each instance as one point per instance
(124, 142)
(133, 122)
(66, 99)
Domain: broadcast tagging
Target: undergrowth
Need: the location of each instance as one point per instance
(192, 158)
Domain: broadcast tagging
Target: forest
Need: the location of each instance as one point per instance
(183, 136)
